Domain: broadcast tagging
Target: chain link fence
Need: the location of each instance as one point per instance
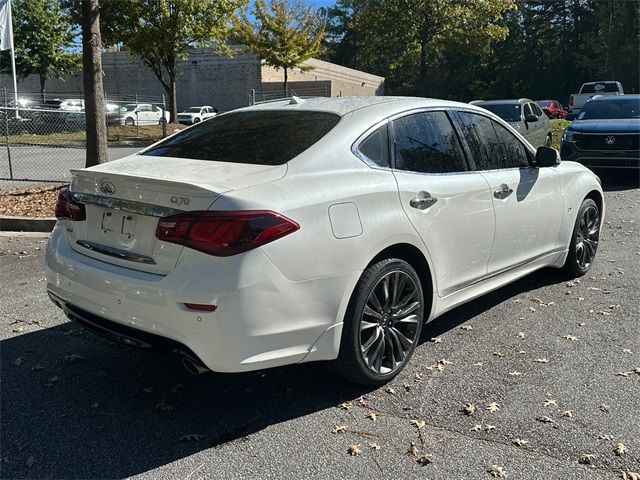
(41, 141)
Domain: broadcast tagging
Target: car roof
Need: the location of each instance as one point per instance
(509, 101)
(345, 105)
(613, 98)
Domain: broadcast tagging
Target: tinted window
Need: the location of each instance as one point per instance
(536, 109)
(492, 146)
(506, 111)
(427, 143)
(376, 147)
(545, 103)
(607, 109)
(600, 87)
(266, 137)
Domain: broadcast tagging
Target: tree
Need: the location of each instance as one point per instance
(43, 40)
(419, 31)
(285, 33)
(92, 80)
(161, 32)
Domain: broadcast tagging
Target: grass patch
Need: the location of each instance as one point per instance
(558, 127)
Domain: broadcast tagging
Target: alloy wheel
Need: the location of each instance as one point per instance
(389, 322)
(587, 237)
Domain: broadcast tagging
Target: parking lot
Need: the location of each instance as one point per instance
(540, 379)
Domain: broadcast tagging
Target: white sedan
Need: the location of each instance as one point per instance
(318, 229)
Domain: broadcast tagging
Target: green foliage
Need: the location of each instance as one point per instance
(43, 39)
(284, 33)
(162, 31)
(558, 126)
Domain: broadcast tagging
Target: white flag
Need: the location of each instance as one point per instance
(6, 42)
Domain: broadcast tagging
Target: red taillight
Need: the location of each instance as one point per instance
(225, 233)
(68, 208)
(201, 307)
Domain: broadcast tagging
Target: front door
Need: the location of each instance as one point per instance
(449, 206)
(527, 200)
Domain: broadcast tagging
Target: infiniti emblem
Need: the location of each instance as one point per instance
(107, 187)
(610, 140)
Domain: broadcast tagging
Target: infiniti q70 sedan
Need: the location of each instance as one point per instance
(326, 229)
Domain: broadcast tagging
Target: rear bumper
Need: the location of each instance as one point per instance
(262, 320)
(619, 159)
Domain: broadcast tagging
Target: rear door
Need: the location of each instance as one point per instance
(527, 201)
(449, 206)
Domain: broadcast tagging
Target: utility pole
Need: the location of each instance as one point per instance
(92, 79)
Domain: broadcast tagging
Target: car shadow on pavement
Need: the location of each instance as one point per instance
(86, 408)
(617, 180)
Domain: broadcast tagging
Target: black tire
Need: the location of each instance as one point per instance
(584, 240)
(196, 120)
(396, 324)
(162, 121)
(129, 121)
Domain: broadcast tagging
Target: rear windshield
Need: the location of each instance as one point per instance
(544, 103)
(509, 112)
(267, 137)
(601, 110)
(599, 87)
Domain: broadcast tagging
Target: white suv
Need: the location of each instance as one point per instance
(196, 114)
(139, 114)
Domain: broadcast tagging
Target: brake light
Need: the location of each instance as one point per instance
(225, 233)
(67, 208)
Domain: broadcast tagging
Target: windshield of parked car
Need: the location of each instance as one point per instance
(603, 110)
(192, 110)
(544, 103)
(599, 87)
(264, 137)
(509, 112)
(128, 108)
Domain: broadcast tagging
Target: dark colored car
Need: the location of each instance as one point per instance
(606, 133)
(552, 108)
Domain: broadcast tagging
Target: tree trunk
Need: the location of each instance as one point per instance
(92, 79)
(286, 80)
(43, 95)
(173, 99)
(422, 79)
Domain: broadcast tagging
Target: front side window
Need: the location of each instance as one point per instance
(376, 147)
(509, 112)
(258, 137)
(492, 146)
(427, 143)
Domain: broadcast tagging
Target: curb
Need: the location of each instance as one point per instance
(26, 224)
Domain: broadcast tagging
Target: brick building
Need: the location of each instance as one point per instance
(209, 79)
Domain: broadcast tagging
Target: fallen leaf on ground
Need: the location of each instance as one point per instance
(493, 407)
(520, 335)
(623, 374)
(372, 415)
(339, 429)
(544, 419)
(476, 428)
(570, 337)
(164, 407)
(488, 428)
(497, 471)
(469, 408)
(604, 408)
(436, 339)
(424, 460)
(412, 450)
(354, 450)
(515, 374)
(346, 406)
(586, 458)
(192, 437)
(620, 449)
(550, 401)
(498, 354)
(418, 423)
(466, 327)
(629, 475)
(566, 413)
(541, 360)
(520, 442)
(374, 446)
(30, 462)
(390, 390)
(19, 361)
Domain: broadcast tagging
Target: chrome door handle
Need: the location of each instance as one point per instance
(423, 201)
(503, 192)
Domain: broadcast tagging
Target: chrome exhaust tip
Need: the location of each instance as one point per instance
(194, 367)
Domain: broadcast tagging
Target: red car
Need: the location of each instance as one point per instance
(552, 108)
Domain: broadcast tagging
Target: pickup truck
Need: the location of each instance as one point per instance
(590, 89)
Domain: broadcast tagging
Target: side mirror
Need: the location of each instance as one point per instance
(531, 118)
(547, 157)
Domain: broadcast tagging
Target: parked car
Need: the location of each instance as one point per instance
(525, 116)
(138, 114)
(552, 108)
(67, 105)
(319, 229)
(588, 90)
(606, 134)
(196, 114)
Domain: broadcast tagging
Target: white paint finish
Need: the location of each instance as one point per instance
(345, 220)
(285, 302)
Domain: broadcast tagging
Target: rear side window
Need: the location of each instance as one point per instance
(266, 137)
(492, 146)
(600, 87)
(427, 143)
(376, 147)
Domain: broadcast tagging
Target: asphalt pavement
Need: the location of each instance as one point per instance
(550, 365)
